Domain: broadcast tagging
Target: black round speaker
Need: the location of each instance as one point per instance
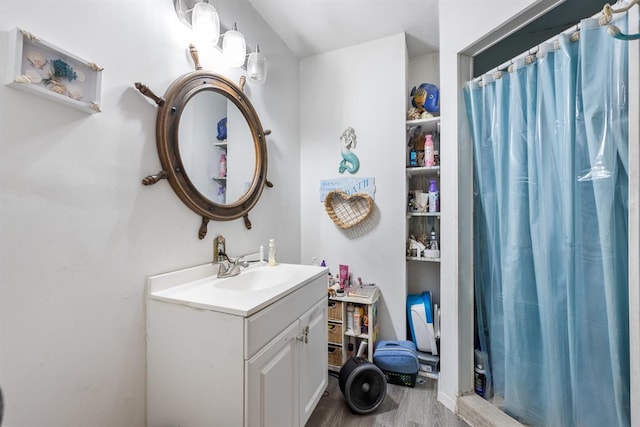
(363, 385)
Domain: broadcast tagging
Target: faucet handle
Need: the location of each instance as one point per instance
(222, 268)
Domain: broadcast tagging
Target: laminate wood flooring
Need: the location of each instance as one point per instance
(402, 407)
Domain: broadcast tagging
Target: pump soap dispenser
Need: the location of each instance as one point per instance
(272, 252)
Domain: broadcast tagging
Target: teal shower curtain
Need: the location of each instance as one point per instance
(550, 231)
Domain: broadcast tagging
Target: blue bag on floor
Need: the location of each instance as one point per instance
(398, 361)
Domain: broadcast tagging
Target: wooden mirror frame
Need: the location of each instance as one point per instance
(167, 124)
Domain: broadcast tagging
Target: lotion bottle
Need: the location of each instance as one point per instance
(222, 172)
(434, 197)
(272, 252)
(429, 159)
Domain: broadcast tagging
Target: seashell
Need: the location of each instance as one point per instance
(36, 59)
(58, 88)
(22, 78)
(27, 35)
(74, 91)
(33, 75)
(95, 107)
(95, 67)
(80, 76)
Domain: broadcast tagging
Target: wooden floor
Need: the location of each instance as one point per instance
(402, 407)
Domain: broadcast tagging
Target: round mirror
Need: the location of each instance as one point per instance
(216, 147)
(211, 146)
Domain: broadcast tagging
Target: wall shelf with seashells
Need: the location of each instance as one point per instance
(38, 67)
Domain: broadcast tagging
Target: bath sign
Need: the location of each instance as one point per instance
(348, 185)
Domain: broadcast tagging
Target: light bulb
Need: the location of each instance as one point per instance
(205, 23)
(234, 48)
(257, 66)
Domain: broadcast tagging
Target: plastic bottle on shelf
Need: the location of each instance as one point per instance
(358, 314)
(429, 159)
(433, 240)
(434, 197)
(413, 157)
(222, 171)
(350, 317)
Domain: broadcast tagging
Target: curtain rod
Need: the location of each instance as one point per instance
(614, 31)
(605, 18)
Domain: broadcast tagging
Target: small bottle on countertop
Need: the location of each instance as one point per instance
(272, 252)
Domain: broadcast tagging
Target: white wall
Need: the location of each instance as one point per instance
(423, 69)
(79, 233)
(363, 87)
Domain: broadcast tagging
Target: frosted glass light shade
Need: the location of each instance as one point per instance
(257, 66)
(205, 23)
(234, 48)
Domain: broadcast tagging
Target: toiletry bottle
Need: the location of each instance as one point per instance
(429, 159)
(434, 197)
(272, 252)
(350, 317)
(413, 157)
(222, 171)
(356, 321)
(433, 240)
(420, 151)
(480, 380)
(358, 312)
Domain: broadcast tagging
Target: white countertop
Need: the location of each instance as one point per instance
(200, 288)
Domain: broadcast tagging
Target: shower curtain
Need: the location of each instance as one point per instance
(550, 231)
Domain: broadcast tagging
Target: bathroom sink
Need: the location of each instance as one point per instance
(253, 289)
(254, 280)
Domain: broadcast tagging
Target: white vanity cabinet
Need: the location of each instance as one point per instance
(284, 379)
(224, 366)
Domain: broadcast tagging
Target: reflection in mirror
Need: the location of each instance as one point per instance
(201, 151)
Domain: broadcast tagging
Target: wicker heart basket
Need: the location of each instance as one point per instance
(346, 211)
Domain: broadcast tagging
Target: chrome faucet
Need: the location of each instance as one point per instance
(228, 267)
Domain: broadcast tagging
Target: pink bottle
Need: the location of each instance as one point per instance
(429, 159)
(222, 170)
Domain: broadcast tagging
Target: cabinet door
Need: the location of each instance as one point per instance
(313, 358)
(272, 382)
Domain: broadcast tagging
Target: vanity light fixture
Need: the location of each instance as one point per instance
(234, 48)
(257, 66)
(205, 23)
(204, 20)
